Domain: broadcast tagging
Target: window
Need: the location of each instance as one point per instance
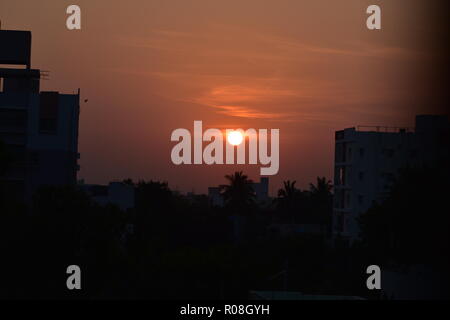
(341, 198)
(347, 199)
(339, 221)
(48, 112)
(340, 150)
(341, 177)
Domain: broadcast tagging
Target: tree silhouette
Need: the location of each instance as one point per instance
(416, 204)
(322, 189)
(310, 207)
(238, 194)
(288, 199)
(289, 191)
(322, 202)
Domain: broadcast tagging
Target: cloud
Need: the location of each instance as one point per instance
(244, 112)
(245, 73)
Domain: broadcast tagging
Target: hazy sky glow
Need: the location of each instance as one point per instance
(148, 67)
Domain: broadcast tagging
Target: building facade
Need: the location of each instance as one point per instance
(39, 128)
(368, 159)
(116, 193)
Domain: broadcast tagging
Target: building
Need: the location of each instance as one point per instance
(215, 196)
(117, 193)
(39, 129)
(367, 160)
(261, 189)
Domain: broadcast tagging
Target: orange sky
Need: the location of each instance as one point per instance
(306, 67)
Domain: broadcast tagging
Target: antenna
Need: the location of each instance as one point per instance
(45, 74)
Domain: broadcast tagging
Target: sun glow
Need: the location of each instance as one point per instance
(235, 138)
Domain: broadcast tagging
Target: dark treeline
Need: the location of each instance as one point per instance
(172, 247)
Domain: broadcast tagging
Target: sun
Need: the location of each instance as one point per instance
(235, 138)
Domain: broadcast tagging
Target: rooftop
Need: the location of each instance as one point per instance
(384, 129)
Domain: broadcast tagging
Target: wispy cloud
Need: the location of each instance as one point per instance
(244, 112)
(244, 73)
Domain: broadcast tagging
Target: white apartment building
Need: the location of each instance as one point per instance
(367, 160)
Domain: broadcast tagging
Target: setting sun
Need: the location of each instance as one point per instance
(235, 138)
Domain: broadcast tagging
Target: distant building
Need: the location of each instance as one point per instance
(367, 159)
(117, 193)
(261, 190)
(40, 129)
(214, 196)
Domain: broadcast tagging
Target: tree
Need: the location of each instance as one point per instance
(322, 201)
(288, 199)
(289, 191)
(238, 194)
(411, 225)
(322, 189)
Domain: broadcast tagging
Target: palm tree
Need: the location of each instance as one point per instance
(238, 194)
(288, 194)
(322, 200)
(288, 198)
(323, 187)
(289, 191)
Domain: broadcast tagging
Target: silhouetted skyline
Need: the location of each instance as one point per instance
(308, 68)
